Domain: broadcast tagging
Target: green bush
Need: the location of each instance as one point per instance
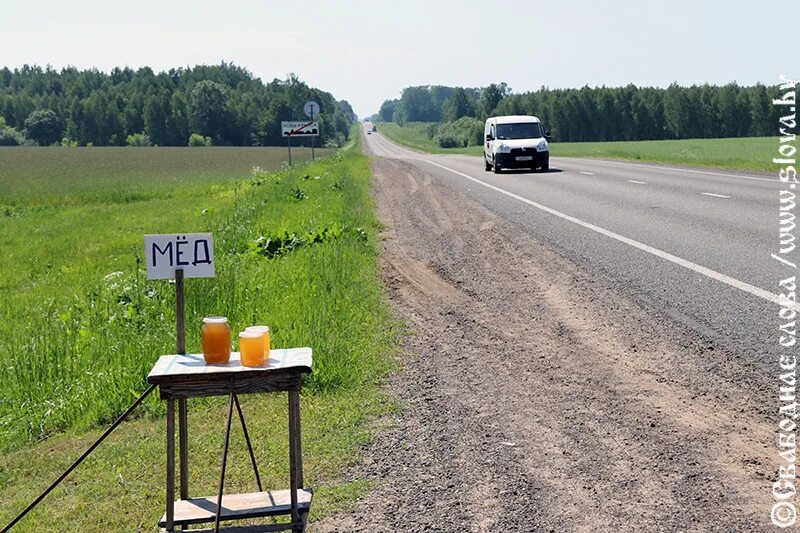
(11, 137)
(466, 131)
(431, 129)
(138, 139)
(195, 139)
(448, 140)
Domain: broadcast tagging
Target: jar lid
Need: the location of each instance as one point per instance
(260, 329)
(250, 334)
(215, 320)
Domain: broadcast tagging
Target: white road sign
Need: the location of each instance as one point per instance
(300, 128)
(311, 108)
(193, 252)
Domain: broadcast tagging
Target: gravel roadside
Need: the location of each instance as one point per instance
(536, 398)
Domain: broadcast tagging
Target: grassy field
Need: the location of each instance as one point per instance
(71, 176)
(414, 136)
(747, 153)
(80, 327)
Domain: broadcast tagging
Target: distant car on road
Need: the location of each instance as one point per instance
(374, 127)
(515, 141)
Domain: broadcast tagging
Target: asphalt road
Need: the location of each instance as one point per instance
(691, 245)
(589, 349)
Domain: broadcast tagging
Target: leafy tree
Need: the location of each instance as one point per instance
(760, 111)
(178, 120)
(133, 113)
(676, 111)
(43, 127)
(457, 106)
(727, 110)
(416, 104)
(491, 97)
(209, 109)
(344, 107)
(387, 110)
(157, 113)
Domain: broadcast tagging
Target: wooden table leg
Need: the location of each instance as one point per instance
(170, 518)
(295, 457)
(183, 447)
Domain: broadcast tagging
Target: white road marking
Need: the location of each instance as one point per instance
(636, 182)
(714, 195)
(657, 167)
(587, 173)
(713, 274)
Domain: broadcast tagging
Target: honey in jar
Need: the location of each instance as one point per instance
(264, 330)
(216, 336)
(251, 348)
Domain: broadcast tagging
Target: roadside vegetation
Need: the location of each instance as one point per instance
(80, 327)
(220, 105)
(422, 136)
(588, 114)
(746, 153)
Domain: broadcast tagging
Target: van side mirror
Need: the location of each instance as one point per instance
(489, 137)
(547, 134)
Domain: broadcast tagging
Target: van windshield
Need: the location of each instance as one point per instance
(520, 130)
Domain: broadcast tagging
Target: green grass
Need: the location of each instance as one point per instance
(414, 136)
(62, 176)
(747, 153)
(80, 327)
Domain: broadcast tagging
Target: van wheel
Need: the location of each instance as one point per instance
(546, 168)
(486, 166)
(496, 166)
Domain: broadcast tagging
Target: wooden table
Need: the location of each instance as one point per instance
(180, 377)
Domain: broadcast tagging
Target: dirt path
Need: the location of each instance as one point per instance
(537, 399)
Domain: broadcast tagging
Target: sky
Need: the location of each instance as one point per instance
(368, 51)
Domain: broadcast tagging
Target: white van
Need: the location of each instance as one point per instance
(515, 141)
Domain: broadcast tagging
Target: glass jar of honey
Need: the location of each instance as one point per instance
(264, 331)
(216, 337)
(251, 348)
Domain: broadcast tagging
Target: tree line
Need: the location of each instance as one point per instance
(207, 104)
(602, 113)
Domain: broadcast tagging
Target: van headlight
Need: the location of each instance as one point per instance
(503, 149)
(542, 146)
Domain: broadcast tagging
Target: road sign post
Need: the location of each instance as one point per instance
(299, 128)
(311, 108)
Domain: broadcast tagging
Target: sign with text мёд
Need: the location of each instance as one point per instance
(193, 252)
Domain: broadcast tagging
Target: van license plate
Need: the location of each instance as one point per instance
(525, 158)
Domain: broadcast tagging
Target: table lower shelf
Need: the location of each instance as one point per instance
(238, 506)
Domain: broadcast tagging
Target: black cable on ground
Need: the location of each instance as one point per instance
(80, 459)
